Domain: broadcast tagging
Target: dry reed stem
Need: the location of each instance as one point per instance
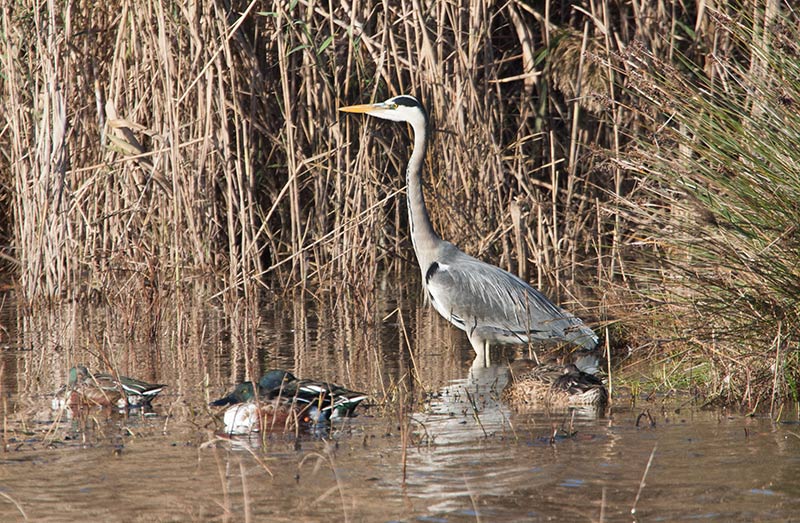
(205, 153)
(16, 504)
(642, 483)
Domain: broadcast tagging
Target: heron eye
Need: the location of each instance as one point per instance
(394, 105)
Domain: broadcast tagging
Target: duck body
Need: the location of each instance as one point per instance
(138, 393)
(320, 401)
(258, 416)
(531, 383)
(86, 389)
(279, 399)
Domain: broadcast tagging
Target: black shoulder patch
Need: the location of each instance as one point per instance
(431, 271)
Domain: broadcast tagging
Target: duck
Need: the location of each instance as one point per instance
(322, 401)
(242, 393)
(279, 398)
(555, 385)
(87, 389)
(250, 409)
(138, 393)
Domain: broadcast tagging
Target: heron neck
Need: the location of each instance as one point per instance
(423, 236)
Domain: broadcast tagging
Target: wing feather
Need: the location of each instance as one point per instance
(475, 295)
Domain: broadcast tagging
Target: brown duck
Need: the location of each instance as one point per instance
(531, 383)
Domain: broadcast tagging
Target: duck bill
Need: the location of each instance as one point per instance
(230, 399)
(363, 108)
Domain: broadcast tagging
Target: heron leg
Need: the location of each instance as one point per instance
(482, 353)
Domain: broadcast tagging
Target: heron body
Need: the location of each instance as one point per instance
(491, 305)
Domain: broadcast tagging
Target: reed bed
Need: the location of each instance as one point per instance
(153, 144)
(155, 150)
(715, 210)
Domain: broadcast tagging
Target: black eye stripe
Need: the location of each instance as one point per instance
(406, 101)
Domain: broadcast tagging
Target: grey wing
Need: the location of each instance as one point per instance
(475, 295)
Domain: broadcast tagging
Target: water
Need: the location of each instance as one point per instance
(466, 456)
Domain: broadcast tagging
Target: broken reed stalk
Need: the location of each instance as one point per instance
(644, 476)
(16, 504)
(608, 368)
(223, 475)
(473, 499)
(245, 494)
(603, 506)
(777, 371)
(328, 458)
(404, 424)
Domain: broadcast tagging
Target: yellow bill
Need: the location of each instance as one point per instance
(362, 108)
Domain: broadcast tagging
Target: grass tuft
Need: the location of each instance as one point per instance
(719, 174)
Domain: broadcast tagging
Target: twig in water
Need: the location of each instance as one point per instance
(646, 414)
(474, 500)
(245, 497)
(16, 504)
(328, 458)
(475, 415)
(603, 506)
(553, 435)
(404, 426)
(226, 502)
(642, 483)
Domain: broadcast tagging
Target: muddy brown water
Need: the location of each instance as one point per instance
(460, 455)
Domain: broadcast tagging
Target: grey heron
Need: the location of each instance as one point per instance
(491, 305)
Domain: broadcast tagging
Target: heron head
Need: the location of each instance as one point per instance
(403, 108)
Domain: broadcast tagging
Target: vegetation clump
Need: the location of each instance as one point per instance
(718, 185)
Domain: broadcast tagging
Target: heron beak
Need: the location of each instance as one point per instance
(363, 108)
